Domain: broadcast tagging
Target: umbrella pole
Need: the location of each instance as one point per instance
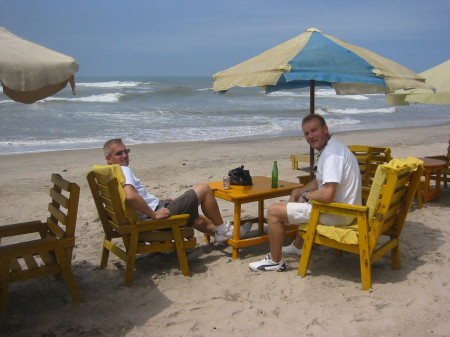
(312, 90)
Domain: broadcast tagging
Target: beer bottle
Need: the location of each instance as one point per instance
(275, 175)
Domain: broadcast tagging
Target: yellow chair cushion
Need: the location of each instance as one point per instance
(380, 176)
(115, 171)
(344, 234)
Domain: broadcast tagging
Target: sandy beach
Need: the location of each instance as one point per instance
(224, 298)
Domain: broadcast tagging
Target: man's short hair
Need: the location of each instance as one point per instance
(108, 143)
(312, 117)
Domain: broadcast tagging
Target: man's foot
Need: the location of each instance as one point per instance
(291, 250)
(228, 234)
(267, 264)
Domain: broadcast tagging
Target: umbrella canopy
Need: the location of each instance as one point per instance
(317, 57)
(439, 77)
(30, 72)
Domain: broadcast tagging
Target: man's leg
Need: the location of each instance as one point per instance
(276, 219)
(298, 241)
(204, 225)
(208, 203)
(213, 222)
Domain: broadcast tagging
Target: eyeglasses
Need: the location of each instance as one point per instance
(120, 153)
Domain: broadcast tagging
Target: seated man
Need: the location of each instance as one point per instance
(338, 179)
(149, 206)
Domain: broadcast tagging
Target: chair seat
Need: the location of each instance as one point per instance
(165, 235)
(343, 234)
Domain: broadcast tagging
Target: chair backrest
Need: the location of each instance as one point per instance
(369, 157)
(391, 194)
(63, 208)
(105, 191)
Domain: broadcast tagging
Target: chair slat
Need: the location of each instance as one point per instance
(47, 258)
(58, 214)
(59, 199)
(15, 265)
(30, 261)
(54, 229)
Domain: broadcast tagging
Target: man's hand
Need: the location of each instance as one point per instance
(161, 213)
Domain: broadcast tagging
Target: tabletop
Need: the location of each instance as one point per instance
(431, 162)
(261, 188)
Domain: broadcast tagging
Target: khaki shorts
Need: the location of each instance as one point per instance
(187, 203)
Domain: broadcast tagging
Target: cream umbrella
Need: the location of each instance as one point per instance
(439, 77)
(30, 72)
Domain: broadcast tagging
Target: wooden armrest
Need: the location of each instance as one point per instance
(22, 228)
(27, 247)
(151, 224)
(338, 208)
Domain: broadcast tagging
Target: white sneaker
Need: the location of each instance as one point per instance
(291, 250)
(228, 234)
(267, 264)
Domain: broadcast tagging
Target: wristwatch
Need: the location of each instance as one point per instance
(304, 195)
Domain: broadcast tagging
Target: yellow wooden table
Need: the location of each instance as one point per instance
(430, 166)
(258, 192)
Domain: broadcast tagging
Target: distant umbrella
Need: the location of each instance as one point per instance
(314, 58)
(439, 77)
(30, 72)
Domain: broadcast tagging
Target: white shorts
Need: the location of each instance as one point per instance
(299, 212)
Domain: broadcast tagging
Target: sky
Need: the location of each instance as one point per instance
(201, 37)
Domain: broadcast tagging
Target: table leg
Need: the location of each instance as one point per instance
(261, 217)
(438, 180)
(429, 192)
(237, 228)
(426, 188)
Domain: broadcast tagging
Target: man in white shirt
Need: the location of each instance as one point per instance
(149, 206)
(338, 179)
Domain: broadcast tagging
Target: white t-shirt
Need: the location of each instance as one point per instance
(131, 179)
(337, 164)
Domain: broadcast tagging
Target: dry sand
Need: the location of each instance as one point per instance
(224, 298)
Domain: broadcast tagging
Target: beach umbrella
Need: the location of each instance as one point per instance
(314, 58)
(438, 77)
(30, 72)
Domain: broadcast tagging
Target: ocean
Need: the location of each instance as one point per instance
(181, 109)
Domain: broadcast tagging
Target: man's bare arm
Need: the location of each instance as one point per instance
(135, 201)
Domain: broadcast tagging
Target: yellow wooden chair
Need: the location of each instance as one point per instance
(388, 204)
(47, 247)
(121, 223)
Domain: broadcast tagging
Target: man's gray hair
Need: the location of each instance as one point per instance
(108, 143)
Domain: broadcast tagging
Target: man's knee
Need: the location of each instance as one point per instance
(203, 191)
(277, 211)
